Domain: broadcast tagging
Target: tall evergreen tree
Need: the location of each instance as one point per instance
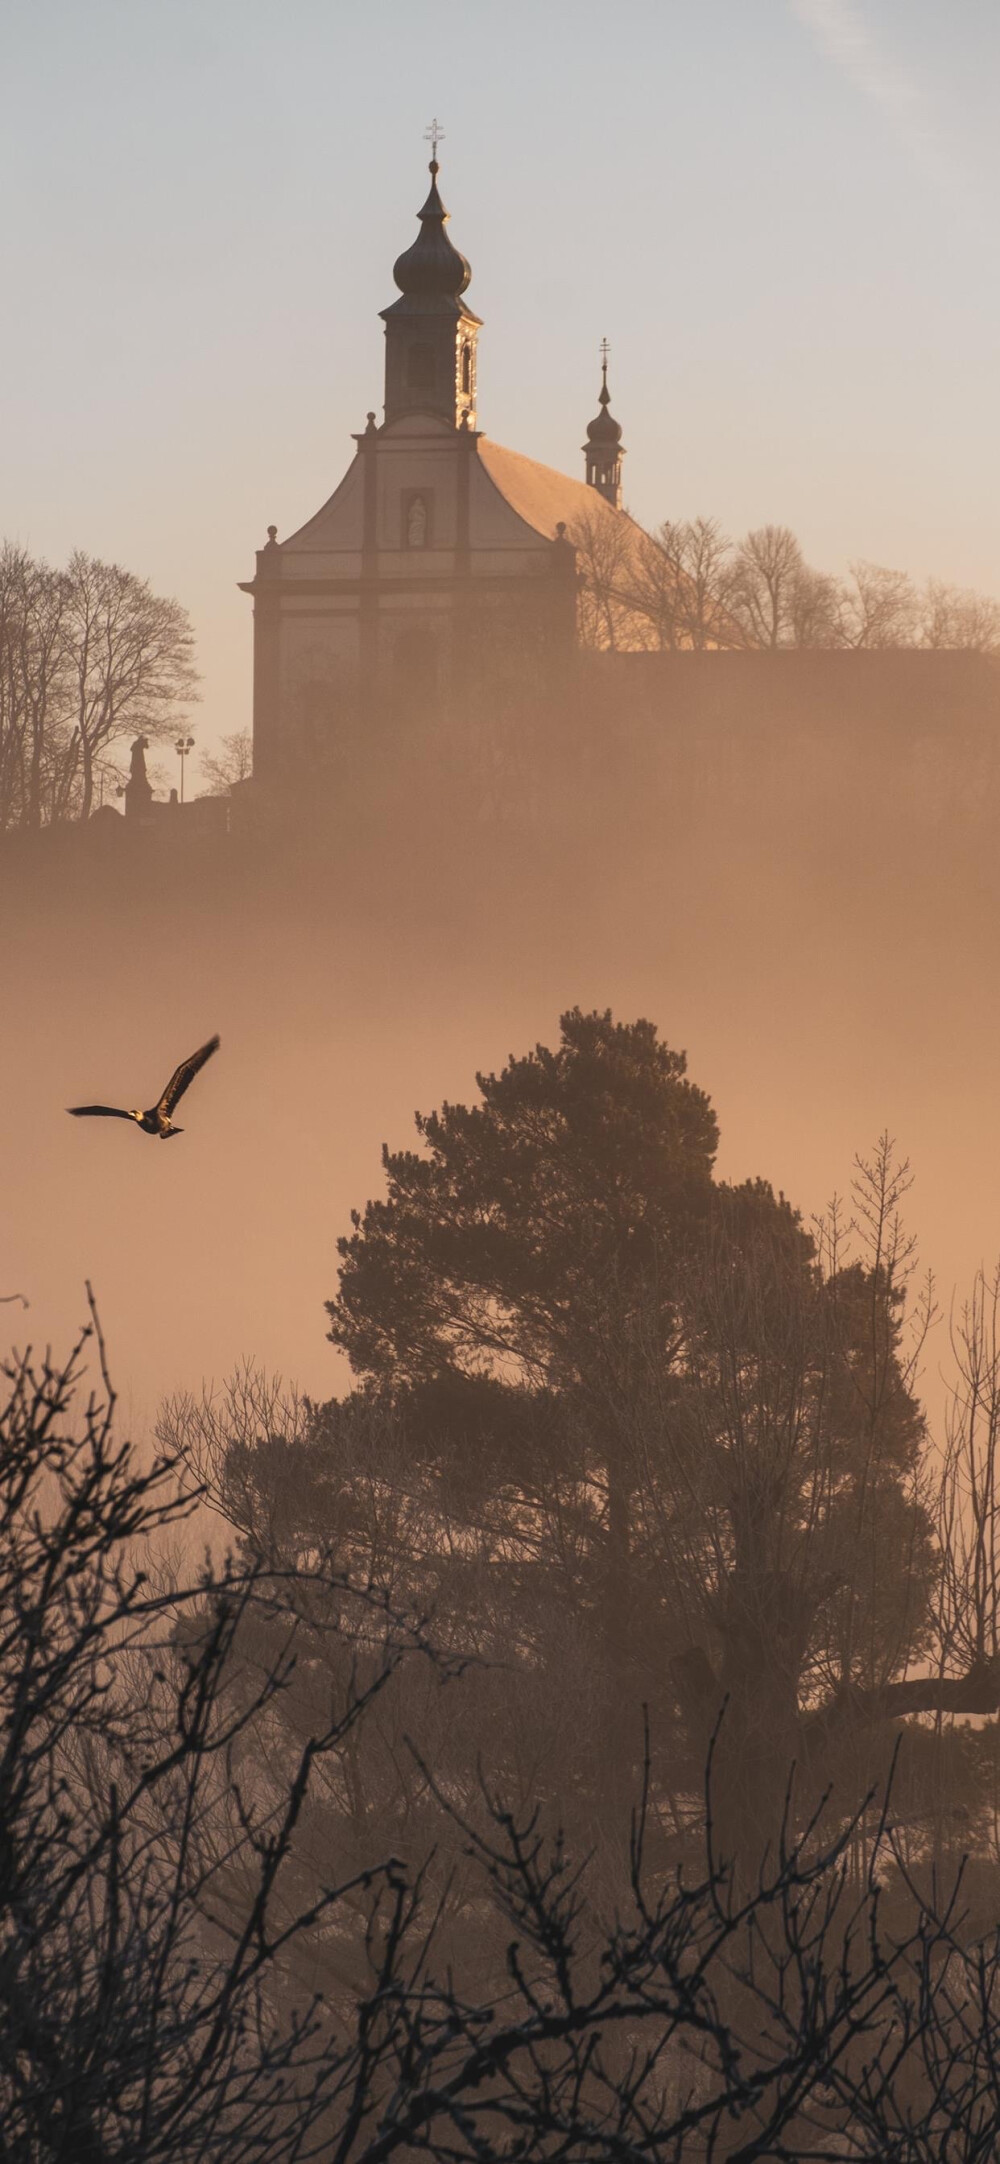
(658, 1401)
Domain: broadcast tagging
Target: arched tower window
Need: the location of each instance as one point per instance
(466, 371)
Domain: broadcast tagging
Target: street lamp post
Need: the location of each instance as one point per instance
(183, 746)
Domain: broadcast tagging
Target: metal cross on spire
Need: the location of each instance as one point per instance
(434, 135)
(605, 351)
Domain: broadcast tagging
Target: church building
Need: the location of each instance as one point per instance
(443, 567)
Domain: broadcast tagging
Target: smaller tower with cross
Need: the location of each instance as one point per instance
(604, 449)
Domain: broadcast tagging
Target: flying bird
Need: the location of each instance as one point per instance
(157, 1120)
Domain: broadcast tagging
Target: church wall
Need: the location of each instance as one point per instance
(402, 476)
(415, 587)
(402, 614)
(511, 563)
(338, 524)
(417, 567)
(416, 655)
(434, 601)
(318, 564)
(318, 683)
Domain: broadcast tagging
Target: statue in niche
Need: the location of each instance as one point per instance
(416, 524)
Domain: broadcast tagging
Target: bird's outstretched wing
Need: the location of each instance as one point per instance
(184, 1076)
(98, 1112)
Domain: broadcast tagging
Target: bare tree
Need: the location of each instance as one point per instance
(698, 592)
(148, 1895)
(664, 591)
(654, 584)
(35, 731)
(969, 1496)
(878, 608)
(225, 769)
(608, 555)
(152, 1892)
(813, 609)
(767, 570)
(89, 656)
(687, 578)
(955, 617)
(692, 588)
(130, 662)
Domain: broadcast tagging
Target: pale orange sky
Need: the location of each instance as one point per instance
(779, 211)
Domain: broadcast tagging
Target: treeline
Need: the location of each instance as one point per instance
(569, 1761)
(690, 586)
(89, 657)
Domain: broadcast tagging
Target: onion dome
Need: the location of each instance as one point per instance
(432, 268)
(604, 429)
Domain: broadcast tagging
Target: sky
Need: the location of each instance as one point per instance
(780, 212)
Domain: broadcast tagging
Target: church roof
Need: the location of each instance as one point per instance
(613, 554)
(545, 498)
(620, 566)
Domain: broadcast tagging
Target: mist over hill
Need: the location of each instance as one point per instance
(799, 885)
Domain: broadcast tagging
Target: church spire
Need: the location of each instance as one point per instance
(604, 449)
(430, 359)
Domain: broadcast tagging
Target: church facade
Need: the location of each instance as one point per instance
(442, 568)
(420, 635)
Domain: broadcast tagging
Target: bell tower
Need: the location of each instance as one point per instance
(604, 449)
(431, 332)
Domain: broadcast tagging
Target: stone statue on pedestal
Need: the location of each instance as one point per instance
(138, 789)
